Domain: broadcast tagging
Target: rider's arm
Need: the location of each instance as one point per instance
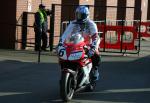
(94, 36)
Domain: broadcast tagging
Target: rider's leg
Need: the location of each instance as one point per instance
(96, 59)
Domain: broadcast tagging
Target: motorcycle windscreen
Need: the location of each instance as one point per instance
(74, 38)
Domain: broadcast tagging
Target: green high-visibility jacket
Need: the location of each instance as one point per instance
(40, 18)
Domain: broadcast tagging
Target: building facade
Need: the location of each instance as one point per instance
(12, 12)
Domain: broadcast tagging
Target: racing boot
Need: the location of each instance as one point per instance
(96, 74)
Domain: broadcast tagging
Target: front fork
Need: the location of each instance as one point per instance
(73, 74)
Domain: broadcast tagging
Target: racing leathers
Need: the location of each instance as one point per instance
(89, 31)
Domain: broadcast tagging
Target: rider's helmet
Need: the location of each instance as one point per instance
(82, 13)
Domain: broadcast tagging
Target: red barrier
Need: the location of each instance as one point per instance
(121, 42)
(145, 29)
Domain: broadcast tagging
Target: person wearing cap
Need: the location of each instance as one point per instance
(41, 28)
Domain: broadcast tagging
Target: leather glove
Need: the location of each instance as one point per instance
(60, 43)
(91, 53)
(58, 46)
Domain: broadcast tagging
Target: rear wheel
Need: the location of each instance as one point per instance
(66, 86)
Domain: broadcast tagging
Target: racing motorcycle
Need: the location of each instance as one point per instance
(76, 67)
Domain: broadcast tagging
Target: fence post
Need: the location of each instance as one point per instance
(104, 34)
(139, 32)
(122, 33)
(52, 20)
(24, 30)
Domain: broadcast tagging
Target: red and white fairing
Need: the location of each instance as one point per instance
(73, 51)
(73, 48)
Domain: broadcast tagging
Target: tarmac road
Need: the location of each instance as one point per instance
(124, 79)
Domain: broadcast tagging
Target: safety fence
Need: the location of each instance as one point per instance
(121, 36)
(145, 29)
(25, 36)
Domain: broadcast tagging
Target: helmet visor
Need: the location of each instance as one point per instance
(81, 16)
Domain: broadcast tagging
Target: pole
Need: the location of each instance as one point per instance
(39, 55)
(24, 30)
(52, 19)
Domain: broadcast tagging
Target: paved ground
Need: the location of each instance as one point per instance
(124, 79)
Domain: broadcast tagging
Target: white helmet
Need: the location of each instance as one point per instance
(82, 13)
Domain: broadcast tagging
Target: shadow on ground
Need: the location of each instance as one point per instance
(23, 82)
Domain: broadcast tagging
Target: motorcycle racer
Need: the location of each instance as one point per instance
(83, 25)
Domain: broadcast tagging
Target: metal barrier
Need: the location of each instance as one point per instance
(114, 39)
(25, 36)
(145, 29)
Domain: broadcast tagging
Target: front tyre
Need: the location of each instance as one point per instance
(66, 86)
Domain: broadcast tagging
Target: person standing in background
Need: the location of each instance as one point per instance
(41, 28)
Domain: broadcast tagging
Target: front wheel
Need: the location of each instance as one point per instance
(66, 86)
